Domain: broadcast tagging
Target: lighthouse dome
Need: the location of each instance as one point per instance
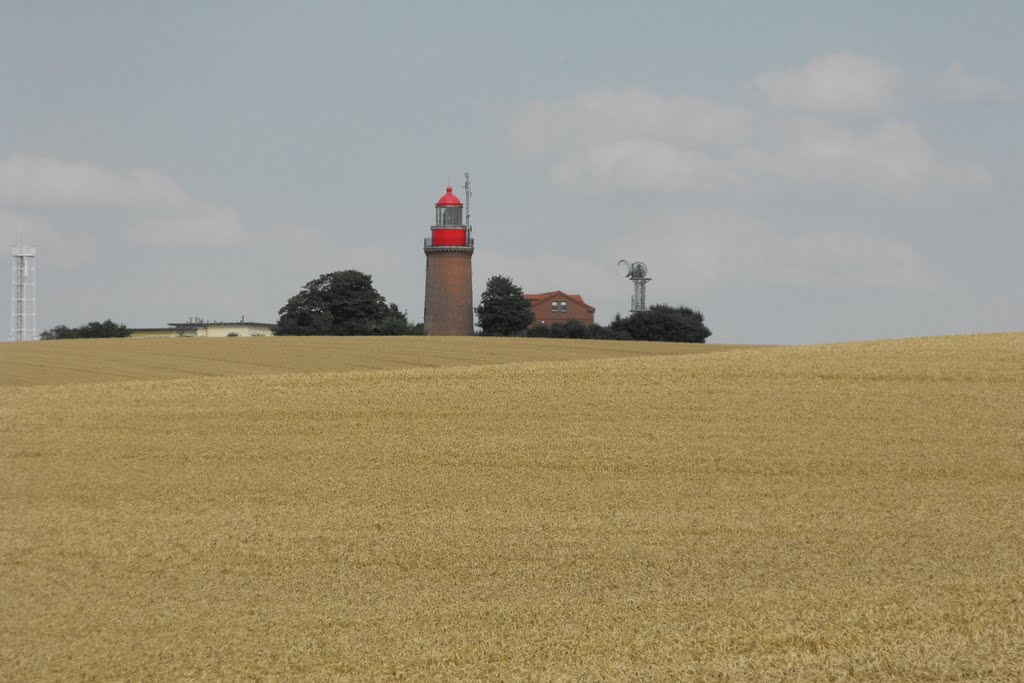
(449, 199)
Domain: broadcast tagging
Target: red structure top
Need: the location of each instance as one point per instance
(449, 199)
(448, 238)
(449, 231)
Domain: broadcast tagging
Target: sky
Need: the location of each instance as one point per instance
(800, 172)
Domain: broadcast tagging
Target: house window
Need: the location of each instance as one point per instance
(554, 307)
(565, 306)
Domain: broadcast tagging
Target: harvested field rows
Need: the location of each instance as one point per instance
(848, 512)
(118, 360)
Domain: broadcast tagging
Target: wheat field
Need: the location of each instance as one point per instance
(119, 360)
(842, 512)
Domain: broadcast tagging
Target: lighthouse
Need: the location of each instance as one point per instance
(448, 299)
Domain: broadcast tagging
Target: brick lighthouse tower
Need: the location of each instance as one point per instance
(448, 304)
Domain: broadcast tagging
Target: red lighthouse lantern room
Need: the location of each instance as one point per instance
(449, 231)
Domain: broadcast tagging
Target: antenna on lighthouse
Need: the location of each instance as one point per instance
(469, 193)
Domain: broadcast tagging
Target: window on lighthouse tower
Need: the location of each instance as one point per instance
(449, 215)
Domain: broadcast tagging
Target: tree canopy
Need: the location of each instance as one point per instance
(660, 323)
(503, 310)
(664, 323)
(341, 303)
(93, 330)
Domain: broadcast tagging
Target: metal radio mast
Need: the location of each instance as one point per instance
(23, 292)
(637, 272)
(469, 193)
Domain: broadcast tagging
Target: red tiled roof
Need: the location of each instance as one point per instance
(535, 299)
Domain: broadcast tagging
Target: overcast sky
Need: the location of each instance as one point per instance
(799, 173)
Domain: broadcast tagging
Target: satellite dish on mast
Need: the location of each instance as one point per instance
(625, 267)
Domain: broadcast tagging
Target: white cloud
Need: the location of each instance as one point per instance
(145, 204)
(47, 182)
(836, 83)
(604, 140)
(641, 164)
(55, 249)
(891, 157)
(606, 116)
(957, 85)
(709, 249)
(211, 226)
(632, 138)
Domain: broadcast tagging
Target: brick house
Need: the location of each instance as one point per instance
(559, 307)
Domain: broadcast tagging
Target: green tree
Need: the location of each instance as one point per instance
(503, 310)
(574, 329)
(664, 323)
(608, 332)
(61, 332)
(396, 322)
(341, 303)
(539, 330)
(94, 330)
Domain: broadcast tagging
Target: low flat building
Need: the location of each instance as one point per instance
(202, 328)
(558, 307)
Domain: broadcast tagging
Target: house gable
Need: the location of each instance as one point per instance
(558, 307)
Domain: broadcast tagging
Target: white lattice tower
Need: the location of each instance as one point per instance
(23, 293)
(639, 300)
